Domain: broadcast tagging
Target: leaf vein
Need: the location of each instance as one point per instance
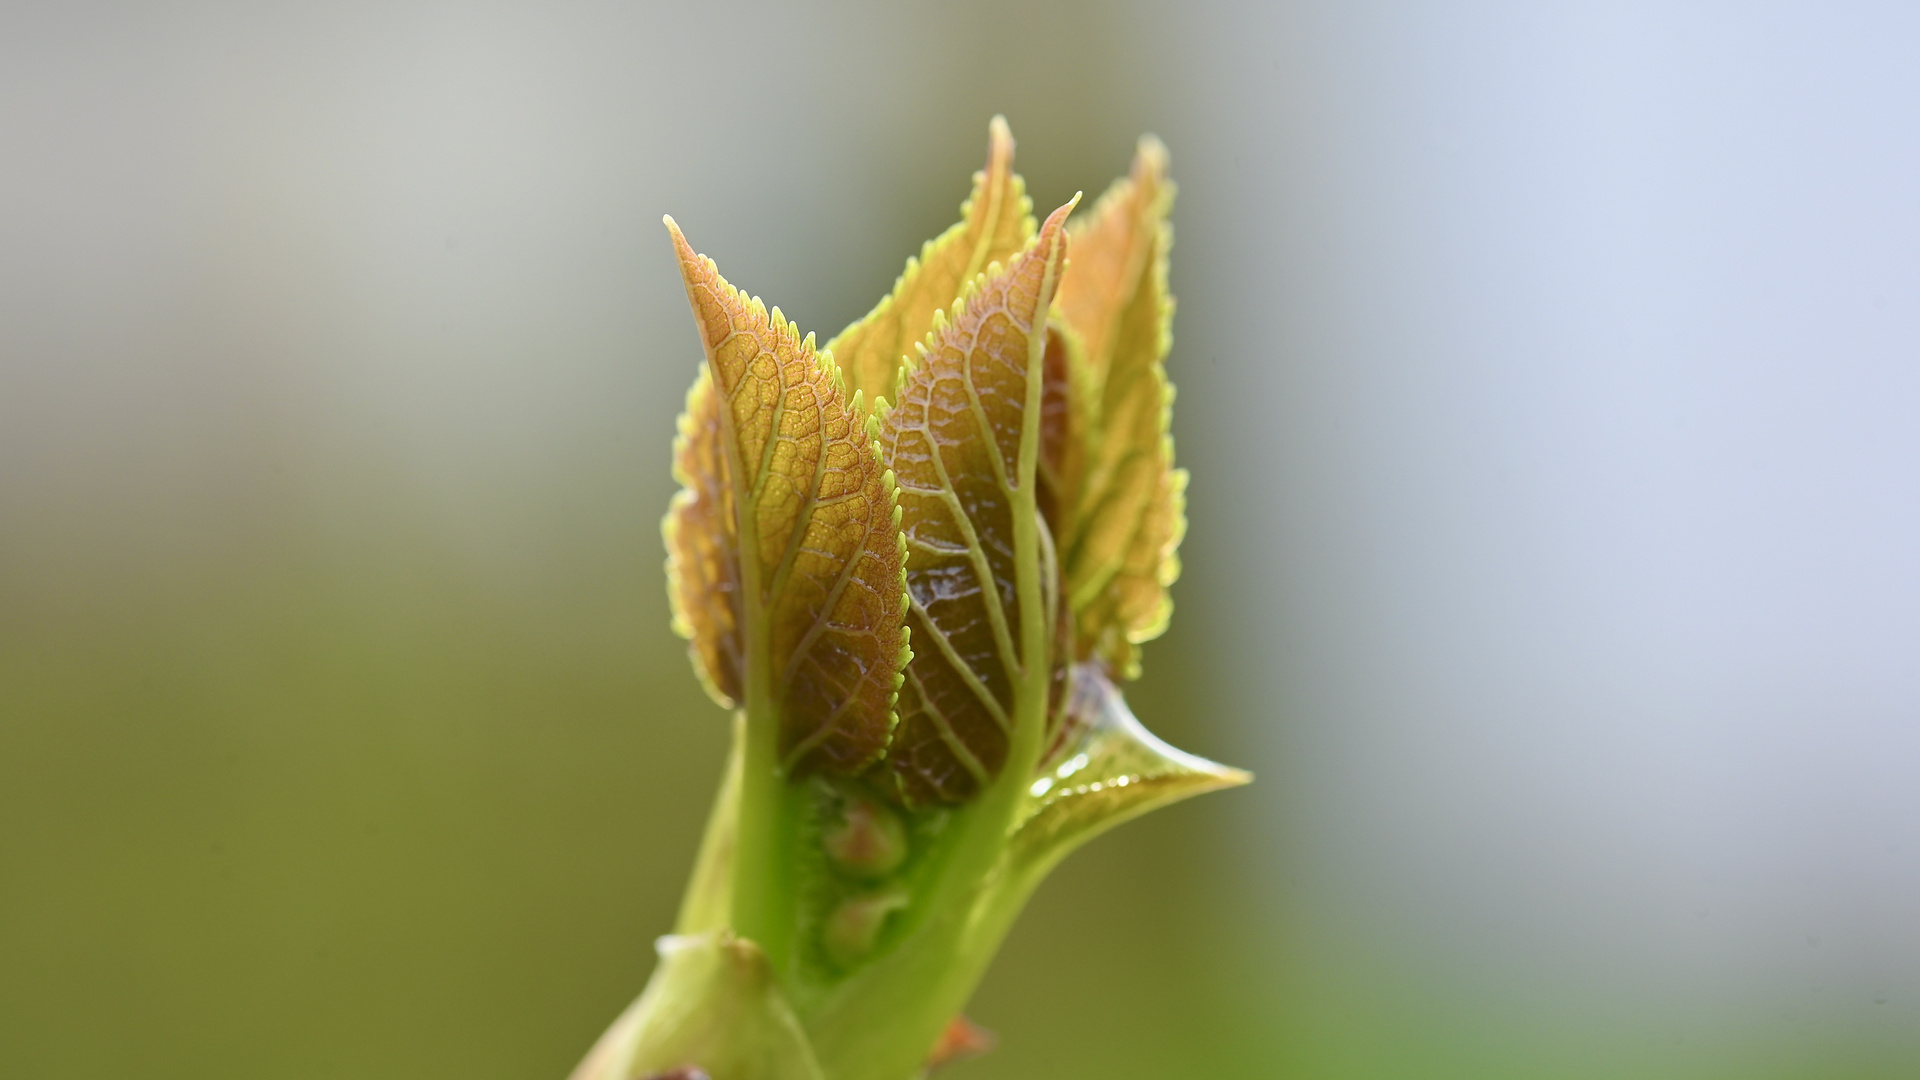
(960, 666)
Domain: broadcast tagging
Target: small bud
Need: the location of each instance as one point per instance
(963, 1039)
(868, 842)
(854, 926)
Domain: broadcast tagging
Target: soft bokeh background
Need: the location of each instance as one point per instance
(1548, 375)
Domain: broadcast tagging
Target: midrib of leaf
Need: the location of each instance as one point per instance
(774, 439)
(795, 544)
(762, 899)
(761, 888)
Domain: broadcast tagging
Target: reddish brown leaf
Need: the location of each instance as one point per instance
(957, 444)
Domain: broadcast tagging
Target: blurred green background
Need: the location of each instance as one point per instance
(1545, 379)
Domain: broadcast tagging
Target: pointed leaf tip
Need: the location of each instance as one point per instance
(999, 145)
(1120, 540)
(1151, 154)
(995, 224)
(682, 250)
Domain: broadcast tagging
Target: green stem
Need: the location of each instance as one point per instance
(763, 888)
(708, 902)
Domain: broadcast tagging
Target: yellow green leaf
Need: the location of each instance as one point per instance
(964, 444)
(812, 532)
(1107, 769)
(996, 222)
(1063, 424)
(1119, 546)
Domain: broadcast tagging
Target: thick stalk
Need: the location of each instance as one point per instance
(880, 1024)
(763, 879)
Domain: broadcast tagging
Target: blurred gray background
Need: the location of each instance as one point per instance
(1548, 376)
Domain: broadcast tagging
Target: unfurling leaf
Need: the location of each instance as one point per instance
(801, 526)
(996, 222)
(966, 457)
(1119, 546)
(1063, 425)
(1106, 769)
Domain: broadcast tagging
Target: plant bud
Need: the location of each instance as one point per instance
(854, 926)
(868, 842)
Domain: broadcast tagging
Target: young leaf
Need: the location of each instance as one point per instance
(1063, 425)
(995, 224)
(816, 555)
(1108, 769)
(1119, 545)
(1114, 244)
(963, 442)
